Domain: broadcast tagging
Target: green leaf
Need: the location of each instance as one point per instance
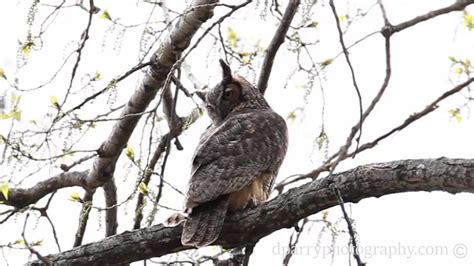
(468, 20)
(25, 47)
(54, 101)
(456, 113)
(466, 63)
(97, 76)
(4, 116)
(105, 15)
(5, 190)
(232, 37)
(245, 56)
(19, 241)
(142, 188)
(452, 58)
(16, 114)
(130, 153)
(2, 73)
(322, 140)
(342, 18)
(75, 197)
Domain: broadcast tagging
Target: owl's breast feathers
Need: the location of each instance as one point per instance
(240, 157)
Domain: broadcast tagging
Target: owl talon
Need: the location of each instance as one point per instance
(252, 204)
(174, 220)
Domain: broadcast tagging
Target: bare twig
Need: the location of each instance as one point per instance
(352, 233)
(415, 116)
(387, 32)
(66, 168)
(44, 213)
(147, 176)
(165, 139)
(169, 108)
(114, 82)
(384, 13)
(55, 235)
(30, 248)
(292, 244)
(354, 82)
(368, 145)
(456, 6)
(85, 37)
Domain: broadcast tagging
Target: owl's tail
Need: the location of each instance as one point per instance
(204, 223)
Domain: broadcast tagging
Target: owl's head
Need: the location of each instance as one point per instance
(232, 95)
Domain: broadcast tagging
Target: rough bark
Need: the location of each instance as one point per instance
(277, 40)
(162, 62)
(245, 227)
(22, 197)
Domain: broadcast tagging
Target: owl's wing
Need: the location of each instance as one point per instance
(231, 155)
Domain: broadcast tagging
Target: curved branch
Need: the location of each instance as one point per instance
(21, 197)
(459, 5)
(242, 228)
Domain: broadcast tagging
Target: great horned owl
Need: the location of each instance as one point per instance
(236, 160)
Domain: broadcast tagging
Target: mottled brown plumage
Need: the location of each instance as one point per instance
(237, 159)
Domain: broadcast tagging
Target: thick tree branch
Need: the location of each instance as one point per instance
(162, 62)
(21, 197)
(110, 193)
(83, 217)
(275, 44)
(243, 228)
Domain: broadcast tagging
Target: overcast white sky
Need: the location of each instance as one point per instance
(393, 230)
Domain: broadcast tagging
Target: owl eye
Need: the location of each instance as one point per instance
(228, 93)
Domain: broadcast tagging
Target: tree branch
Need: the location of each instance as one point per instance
(162, 62)
(83, 217)
(350, 228)
(245, 227)
(459, 5)
(277, 40)
(21, 197)
(354, 83)
(110, 193)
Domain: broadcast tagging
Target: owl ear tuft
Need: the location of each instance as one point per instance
(226, 71)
